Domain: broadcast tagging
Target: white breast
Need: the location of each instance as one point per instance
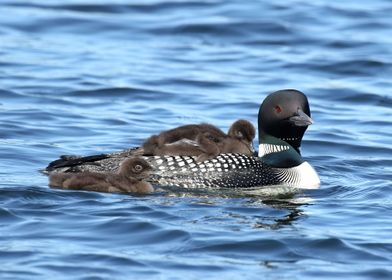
(302, 176)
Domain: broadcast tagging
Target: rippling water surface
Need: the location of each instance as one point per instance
(85, 77)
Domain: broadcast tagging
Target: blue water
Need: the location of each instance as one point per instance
(87, 77)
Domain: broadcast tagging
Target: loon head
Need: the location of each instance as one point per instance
(285, 115)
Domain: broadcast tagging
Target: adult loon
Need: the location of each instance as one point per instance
(282, 121)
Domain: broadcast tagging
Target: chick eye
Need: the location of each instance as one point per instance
(278, 109)
(138, 168)
(212, 138)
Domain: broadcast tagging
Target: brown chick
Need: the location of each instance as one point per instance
(204, 141)
(241, 134)
(129, 179)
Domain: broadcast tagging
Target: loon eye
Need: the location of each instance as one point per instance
(278, 109)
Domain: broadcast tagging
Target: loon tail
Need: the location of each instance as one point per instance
(71, 160)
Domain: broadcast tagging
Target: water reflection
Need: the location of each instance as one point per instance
(259, 212)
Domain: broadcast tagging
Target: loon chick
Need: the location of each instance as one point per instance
(244, 132)
(128, 179)
(204, 141)
(283, 119)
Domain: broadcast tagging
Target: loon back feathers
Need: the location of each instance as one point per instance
(227, 171)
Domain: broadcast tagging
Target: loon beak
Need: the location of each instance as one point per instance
(300, 119)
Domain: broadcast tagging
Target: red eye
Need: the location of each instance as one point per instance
(278, 109)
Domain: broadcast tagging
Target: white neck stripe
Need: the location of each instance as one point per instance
(265, 149)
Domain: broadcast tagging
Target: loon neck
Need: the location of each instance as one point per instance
(278, 153)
